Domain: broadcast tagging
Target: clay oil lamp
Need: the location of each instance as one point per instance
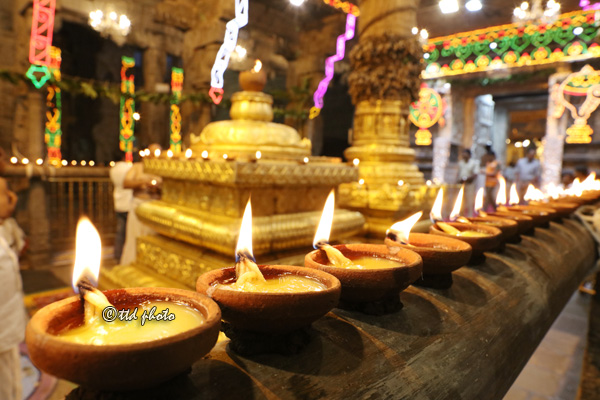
(509, 227)
(481, 237)
(255, 79)
(541, 216)
(372, 275)
(270, 299)
(524, 222)
(536, 198)
(441, 255)
(122, 339)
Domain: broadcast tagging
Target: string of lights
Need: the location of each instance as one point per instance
(175, 115)
(127, 108)
(232, 29)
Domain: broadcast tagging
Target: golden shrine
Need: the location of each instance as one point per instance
(203, 199)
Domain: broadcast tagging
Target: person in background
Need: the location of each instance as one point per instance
(492, 168)
(509, 172)
(122, 201)
(581, 172)
(528, 171)
(145, 187)
(12, 308)
(467, 172)
(567, 179)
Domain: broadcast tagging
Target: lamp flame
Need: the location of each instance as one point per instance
(501, 196)
(88, 253)
(457, 204)
(244, 243)
(553, 191)
(514, 196)
(257, 66)
(533, 194)
(436, 211)
(479, 200)
(401, 229)
(324, 228)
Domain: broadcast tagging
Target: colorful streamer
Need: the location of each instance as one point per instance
(222, 60)
(585, 4)
(53, 131)
(42, 27)
(127, 124)
(329, 62)
(175, 127)
(346, 7)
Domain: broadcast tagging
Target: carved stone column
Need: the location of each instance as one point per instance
(386, 65)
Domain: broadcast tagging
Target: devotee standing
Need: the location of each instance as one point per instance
(528, 171)
(492, 168)
(467, 172)
(12, 310)
(145, 187)
(122, 202)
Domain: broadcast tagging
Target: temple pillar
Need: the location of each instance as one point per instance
(154, 122)
(442, 170)
(385, 79)
(554, 139)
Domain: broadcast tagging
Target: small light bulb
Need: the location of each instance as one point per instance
(225, 156)
(400, 182)
(83, 163)
(361, 181)
(426, 56)
(142, 153)
(415, 30)
(136, 116)
(424, 33)
(25, 161)
(205, 154)
(305, 160)
(258, 155)
(157, 153)
(14, 160)
(112, 15)
(169, 153)
(526, 142)
(92, 163)
(112, 163)
(39, 161)
(64, 163)
(297, 3)
(188, 153)
(578, 31)
(356, 161)
(428, 183)
(493, 45)
(147, 152)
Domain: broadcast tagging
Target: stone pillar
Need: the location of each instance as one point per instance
(154, 122)
(441, 171)
(385, 79)
(554, 139)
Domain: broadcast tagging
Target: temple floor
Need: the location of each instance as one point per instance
(552, 373)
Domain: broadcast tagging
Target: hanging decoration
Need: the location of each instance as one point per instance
(579, 84)
(42, 27)
(232, 29)
(425, 113)
(585, 4)
(53, 132)
(345, 6)
(127, 109)
(175, 116)
(569, 38)
(329, 65)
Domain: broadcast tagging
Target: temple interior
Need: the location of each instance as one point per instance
(330, 198)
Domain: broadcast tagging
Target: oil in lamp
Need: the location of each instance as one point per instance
(480, 237)
(263, 303)
(122, 339)
(509, 228)
(441, 255)
(371, 275)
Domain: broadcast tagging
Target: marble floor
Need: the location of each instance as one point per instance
(553, 371)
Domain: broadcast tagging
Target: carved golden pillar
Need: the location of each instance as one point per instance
(386, 64)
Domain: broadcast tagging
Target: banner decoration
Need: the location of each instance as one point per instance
(127, 125)
(569, 38)
(586, 83)
(329, 65)
(232, 28)
(42, 27)
(425, 113)
(175, 116)
(53, 132)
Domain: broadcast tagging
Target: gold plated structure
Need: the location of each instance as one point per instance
(390, 185)
(203, 199)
